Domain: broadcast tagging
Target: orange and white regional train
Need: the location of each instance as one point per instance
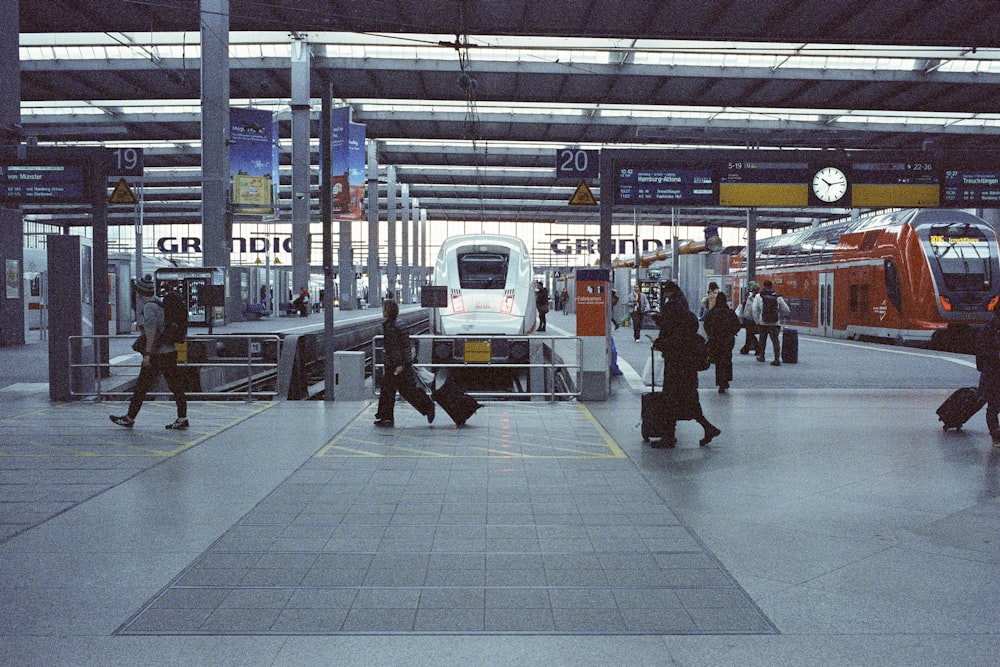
(905, 276)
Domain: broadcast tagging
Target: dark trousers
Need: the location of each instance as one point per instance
(406, 384)
(750, 344)
(722, 359)
(636, 318)
(159, 364)
(541, 319)
(772, 331)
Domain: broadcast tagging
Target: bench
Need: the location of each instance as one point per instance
(256, 311)
(287, 309)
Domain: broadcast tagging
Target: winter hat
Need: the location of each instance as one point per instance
(754, 286)
(145, 285)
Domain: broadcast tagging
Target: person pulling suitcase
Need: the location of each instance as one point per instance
(399, 374)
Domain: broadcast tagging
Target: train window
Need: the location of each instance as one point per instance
(892, 287)
(482, 270)
(964, 259)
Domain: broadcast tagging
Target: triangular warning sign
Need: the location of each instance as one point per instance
(122, 194)
(583, 196)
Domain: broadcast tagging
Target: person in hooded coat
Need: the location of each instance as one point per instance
(722, 324)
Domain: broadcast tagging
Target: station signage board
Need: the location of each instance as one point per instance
(794, 179)
(43, 183)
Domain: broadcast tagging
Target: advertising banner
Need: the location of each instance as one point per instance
(347, 143)
(253, 160)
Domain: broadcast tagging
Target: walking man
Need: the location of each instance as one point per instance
(158, 358)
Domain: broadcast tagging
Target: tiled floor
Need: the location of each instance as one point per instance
(528, 520)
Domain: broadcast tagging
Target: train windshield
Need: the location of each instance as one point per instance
(482, 270)
(962, 253)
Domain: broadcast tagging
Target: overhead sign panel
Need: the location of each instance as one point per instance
(971, 187)
(31, 184)
(896, 183)
(764, 183)
(665, 185)
(578, 163)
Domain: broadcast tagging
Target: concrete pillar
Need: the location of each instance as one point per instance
(300, 104)
(391, 267)
(216, 217)
(12, 238)
(375, 292)
(404, 227)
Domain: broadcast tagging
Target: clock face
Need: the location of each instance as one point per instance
(829, 184)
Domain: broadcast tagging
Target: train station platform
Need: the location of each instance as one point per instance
(833, 522)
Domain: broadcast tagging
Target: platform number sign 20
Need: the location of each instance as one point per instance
(578, 163)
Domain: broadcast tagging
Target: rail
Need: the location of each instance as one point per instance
(553, 369)
(230, 376)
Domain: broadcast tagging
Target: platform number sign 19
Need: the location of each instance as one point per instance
(125, 162)
(578, 163)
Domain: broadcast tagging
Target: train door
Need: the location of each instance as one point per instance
(826, 303)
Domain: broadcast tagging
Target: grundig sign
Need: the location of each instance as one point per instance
(185, 244)
(588, 246)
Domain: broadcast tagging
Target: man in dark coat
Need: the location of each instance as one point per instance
(988, 363)
(398, 373)
(722, 325)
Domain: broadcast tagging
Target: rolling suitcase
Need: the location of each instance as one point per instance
(789, 345)
(458, 404)
(654, 409)
(959, 407)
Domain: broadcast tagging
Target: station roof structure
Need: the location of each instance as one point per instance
(471, 99)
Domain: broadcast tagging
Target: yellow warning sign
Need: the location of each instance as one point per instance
(583, 196)
(122, 194)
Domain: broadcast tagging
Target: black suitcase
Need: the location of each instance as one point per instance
(654, 409)
(789, 345)
(959, 407)
(458, 404)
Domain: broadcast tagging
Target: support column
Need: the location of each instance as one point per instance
(415, 264)
(12, 238)
(326, 213)
(423, 240)
(391, 268)
(751, 245)
(374, 277)
(216, 217)
(300, 104)
(404, 227)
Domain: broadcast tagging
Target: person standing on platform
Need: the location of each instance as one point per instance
(988, 363)
(768, 311)
(638, 306)
(614, 308)
(708, 301)
(721, 326)
(745, 311)
(542, 303)
(564, 300)
(158, 358)
(398, 372)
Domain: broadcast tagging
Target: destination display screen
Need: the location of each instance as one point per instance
(28, 184)
(658, 185)
(970, 187)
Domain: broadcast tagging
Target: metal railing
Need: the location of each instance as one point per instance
(251, 376)
(554, 364)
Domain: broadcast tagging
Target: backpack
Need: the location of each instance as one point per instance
(175, 319)
(769, 308)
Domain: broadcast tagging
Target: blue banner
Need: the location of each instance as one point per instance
(347, 148)
(253, 160)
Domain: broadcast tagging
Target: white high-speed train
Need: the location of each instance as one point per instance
(491, 299)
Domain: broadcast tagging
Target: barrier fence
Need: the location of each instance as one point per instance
(216, 367)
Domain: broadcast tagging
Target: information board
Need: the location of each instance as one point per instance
(971, 187)
(661, 185)
(896, 183)
(28, 184)
(764, 183)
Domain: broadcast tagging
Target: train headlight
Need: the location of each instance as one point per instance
(508, 302)
(945, 303)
